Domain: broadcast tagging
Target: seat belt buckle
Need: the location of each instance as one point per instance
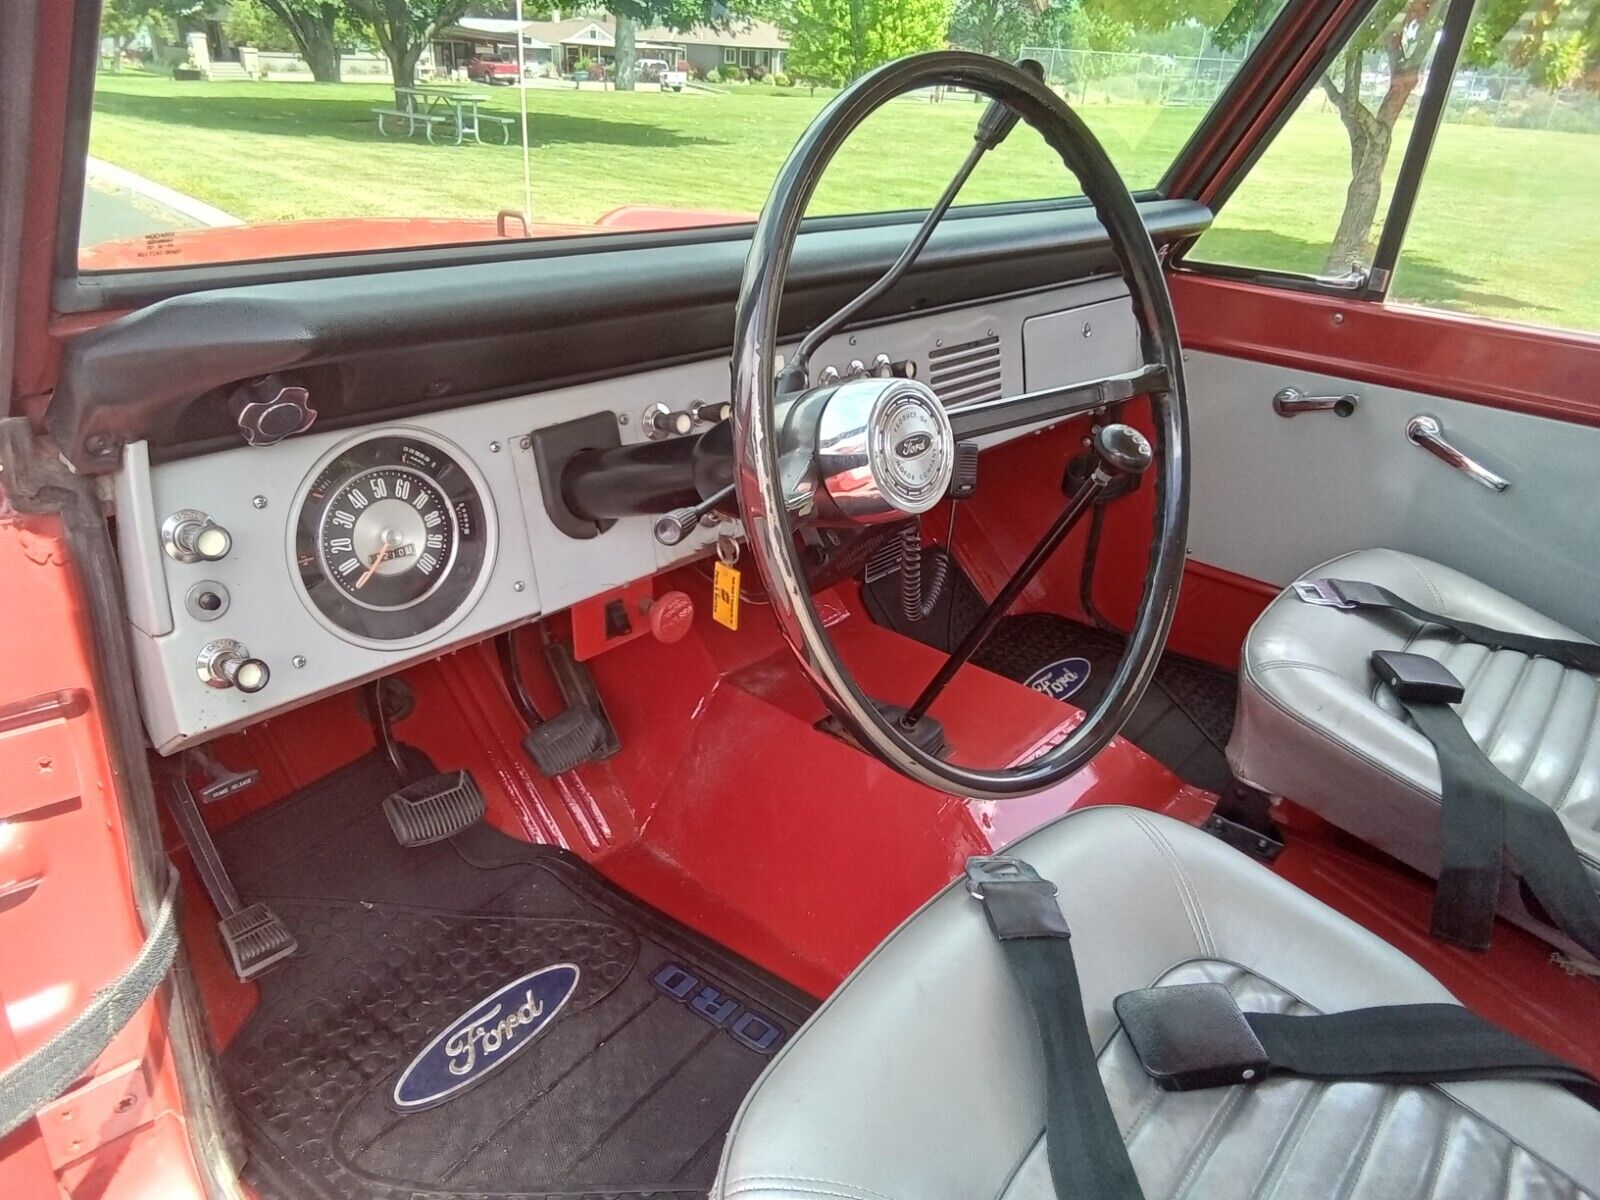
(1192, 1035)
(1417, 678)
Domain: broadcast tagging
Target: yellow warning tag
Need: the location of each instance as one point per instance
(725, 595)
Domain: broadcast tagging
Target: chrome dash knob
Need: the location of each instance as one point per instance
(226, 663)
(189, 536)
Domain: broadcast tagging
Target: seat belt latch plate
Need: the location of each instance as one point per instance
(1322, 592)
(1192, 1035)
(1017, 902)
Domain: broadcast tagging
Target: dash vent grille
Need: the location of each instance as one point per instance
(966, 373)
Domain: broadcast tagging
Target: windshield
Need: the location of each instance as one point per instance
(257, 130)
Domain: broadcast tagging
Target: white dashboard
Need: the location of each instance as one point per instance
(304, 594)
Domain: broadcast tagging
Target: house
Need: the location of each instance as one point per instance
(556, 46)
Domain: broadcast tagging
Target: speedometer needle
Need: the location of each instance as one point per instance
(377, 562)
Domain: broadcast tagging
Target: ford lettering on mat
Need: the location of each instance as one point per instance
(485, 1037)
(1061, 678)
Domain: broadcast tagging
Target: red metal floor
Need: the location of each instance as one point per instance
(730, 811)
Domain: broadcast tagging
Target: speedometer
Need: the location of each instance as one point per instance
(391, 539)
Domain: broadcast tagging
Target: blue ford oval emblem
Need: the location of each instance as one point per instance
(913, 444)
(487, 1036)
(1061, 678)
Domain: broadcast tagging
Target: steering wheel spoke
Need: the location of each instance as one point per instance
(969, 421)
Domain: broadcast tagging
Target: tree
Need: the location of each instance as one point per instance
(998, 27)
(122, 21)
(403, 28)
(677, 15)
(313, 25)
(836, 40)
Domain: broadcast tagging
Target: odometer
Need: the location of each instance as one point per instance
(391, 538)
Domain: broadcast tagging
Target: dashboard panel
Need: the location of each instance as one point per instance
(349, 553)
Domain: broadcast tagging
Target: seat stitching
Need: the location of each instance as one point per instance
(1543, 725)
(1187, 895)
(1497, 730)
(1452, 1117)
(1369, 1140)
(1438, 600)
(760, 1183)
(1225, 1115)
(1585, 741)
(1506, 1171)
(764, 1179)
(1299, 1122)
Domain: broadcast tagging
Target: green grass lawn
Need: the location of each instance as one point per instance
(1510, 224)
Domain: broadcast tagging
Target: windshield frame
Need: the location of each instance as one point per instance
(78, 291)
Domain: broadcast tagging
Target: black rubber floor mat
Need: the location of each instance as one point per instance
(1183, 720)
(480, 1017)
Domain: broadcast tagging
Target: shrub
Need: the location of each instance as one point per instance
(731, 74)
(781, 80)
(758, 72)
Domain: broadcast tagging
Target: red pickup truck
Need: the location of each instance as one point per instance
(492, 70)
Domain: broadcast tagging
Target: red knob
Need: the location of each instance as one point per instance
(671, 616)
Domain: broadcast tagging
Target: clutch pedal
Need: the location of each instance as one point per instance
(434, 808)
(422, 811)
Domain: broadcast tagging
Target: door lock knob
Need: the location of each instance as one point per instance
(226, 663)
(189, 536)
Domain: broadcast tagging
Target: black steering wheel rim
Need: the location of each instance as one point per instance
(757, 471)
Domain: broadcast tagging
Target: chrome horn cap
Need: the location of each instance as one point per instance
(885, 449)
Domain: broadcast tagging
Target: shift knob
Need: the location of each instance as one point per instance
(1122, 449)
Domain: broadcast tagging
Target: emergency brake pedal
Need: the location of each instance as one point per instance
(254, 936)
(221, 782)
(422, 811)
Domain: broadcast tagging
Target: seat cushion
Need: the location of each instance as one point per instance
(920, 1078)
(1314, 724)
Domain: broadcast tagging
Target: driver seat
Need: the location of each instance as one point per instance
(921, 1079)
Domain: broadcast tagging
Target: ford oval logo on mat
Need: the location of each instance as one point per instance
(1061, 678)
(485, 1037)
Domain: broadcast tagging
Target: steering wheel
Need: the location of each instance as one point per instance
(870, 451)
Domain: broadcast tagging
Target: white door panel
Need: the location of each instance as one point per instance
(1275, 495)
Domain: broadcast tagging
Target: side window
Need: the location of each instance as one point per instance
(1519, 154)
(1314, 203)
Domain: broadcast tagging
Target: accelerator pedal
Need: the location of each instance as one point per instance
(434, 808)
(566, 740)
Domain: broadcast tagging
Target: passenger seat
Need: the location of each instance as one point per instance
(1315, 725)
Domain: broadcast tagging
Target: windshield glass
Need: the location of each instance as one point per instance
(263, 129)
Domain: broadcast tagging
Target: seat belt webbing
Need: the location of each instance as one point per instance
(1484, 814)
(1083, 1145)
(1355, 594)
(1410, 1043)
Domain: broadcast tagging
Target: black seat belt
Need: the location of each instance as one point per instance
(1085, 1149)
(1195, 1036)
(1358, 594)
(1485, 813)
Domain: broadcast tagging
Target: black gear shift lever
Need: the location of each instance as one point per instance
(1122, 450)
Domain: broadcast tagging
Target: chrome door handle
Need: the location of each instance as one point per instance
(1425, 431)
(1291, 402)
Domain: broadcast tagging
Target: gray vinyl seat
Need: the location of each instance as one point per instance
(920, 1078)
(1315, 726)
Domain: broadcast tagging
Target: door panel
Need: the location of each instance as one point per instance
(1275, 495)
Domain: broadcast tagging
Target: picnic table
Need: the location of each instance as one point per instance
(426, 108)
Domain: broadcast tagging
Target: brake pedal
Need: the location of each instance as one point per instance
(254, 936)
(434, 808)
(565, 740)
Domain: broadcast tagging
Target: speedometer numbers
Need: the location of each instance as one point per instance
(390, 540)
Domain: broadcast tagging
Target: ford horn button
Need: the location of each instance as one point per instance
(485, 1037)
